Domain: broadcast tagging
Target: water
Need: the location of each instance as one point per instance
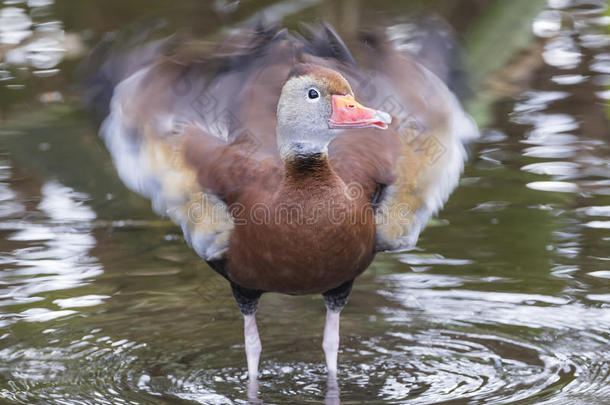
(505, 301)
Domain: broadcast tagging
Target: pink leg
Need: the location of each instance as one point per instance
(253, 346)
(330, 343)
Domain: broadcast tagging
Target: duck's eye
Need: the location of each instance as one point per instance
(313, 94)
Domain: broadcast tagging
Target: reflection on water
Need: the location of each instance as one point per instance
(565, 125)
(32, 42)
(48, 254)
(27, 43)
(505, 300)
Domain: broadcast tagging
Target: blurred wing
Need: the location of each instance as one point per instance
(432, 128)
(149, 154)
(417, 162)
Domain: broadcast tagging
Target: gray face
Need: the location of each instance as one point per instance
(302, 118)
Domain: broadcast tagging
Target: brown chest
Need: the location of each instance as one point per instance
(312, 235)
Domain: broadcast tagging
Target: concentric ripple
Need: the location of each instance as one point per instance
(432, 340)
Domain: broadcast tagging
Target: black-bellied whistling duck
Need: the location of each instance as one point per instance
(281, 180)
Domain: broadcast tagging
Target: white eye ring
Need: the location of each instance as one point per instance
(313, 95)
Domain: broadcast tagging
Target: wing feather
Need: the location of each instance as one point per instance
(419, 159)
(432, 129)
(151, 161)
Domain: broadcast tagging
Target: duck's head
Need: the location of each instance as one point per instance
(314, 105)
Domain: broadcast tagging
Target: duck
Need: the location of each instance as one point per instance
(287, 161)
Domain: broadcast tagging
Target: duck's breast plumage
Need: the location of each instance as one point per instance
(309, 236)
